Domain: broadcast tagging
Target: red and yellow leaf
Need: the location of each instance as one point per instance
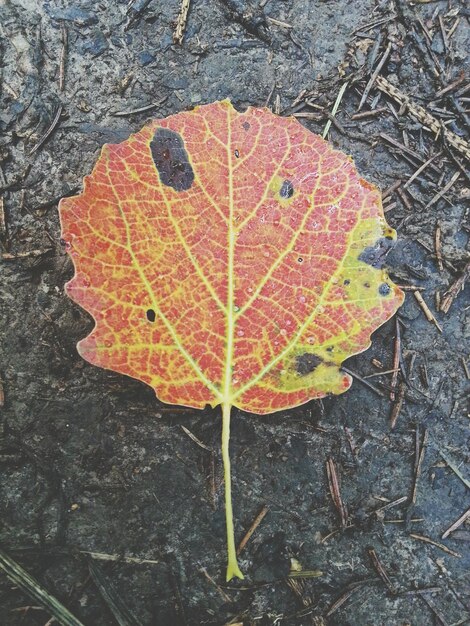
(229, 258)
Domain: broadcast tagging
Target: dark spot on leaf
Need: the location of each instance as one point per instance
(237, 154)
(330, 349)
(171, 160)
(306, 363)
(384, 289)
(375, 255)
(300, 260)
(287, 189)
(246, 125)
(150, 315)
(346, 282)
(367, 285)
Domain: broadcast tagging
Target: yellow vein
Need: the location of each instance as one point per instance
(182, 240)
(155, 305)
(309, 319)
(287, 250)
(230, 271)
(265, 194)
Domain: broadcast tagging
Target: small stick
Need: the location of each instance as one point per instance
(450, 87)
(3, 224)
(404, 199)
(456, 524)
(48, 132)
(222, 593)
(425, 118)
(465, 367)
(426, 310)
(419, 456)
(8, 256)
(454, 468)
(257, 521)
(63, 56)
(443, 191)
(396, 409)
(379, 568)
(413, 592)
(452, 28)
(29, 585)
(435, 543)
(306, 573)
(421, 169)
(195, 439)
(382, 373)
(454, 290)
(396, 360)
(2, 394)
(333, 483)
(366, 114)
(443, 33)
(437, 245)
(147, 107)
(335, 108)
(389, 505)
(373, 78)
(101, 556)
(407, 152)
(411, 288)
(391, 189)
(181, 22)
(363, 381)
(343, 598)
(279, 22)
(434, 609)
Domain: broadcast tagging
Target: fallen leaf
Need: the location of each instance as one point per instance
(229, 258)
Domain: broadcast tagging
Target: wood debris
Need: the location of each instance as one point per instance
(48, 132)
(181, 22)
(195, 439)
(443, 191)
(420, 447)
(454, 290)
(257, 521)
(63, 56)
(3, 224)
(441, 546)
(438, 248)
(379, 568)
(456, 524)
(426, 310)
(396, 408)
(374, 76)
(335, 492)
(423, 116)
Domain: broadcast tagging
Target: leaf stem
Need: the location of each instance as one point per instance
(232, 565)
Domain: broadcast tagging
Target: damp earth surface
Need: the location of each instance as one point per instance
(92, 465)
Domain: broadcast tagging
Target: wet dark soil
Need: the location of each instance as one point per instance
(91, 462)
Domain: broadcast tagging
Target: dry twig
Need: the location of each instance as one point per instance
(335, 492)
(181, 22)
(257, 521)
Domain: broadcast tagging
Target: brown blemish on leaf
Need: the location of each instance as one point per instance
(307, 363)
(375, 255)
(171, 159)
(287, 190)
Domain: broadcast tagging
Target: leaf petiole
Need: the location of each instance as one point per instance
(232, 565)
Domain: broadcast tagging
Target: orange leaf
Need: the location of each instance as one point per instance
(229, 258)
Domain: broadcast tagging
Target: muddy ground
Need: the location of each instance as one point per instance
(92, 462)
